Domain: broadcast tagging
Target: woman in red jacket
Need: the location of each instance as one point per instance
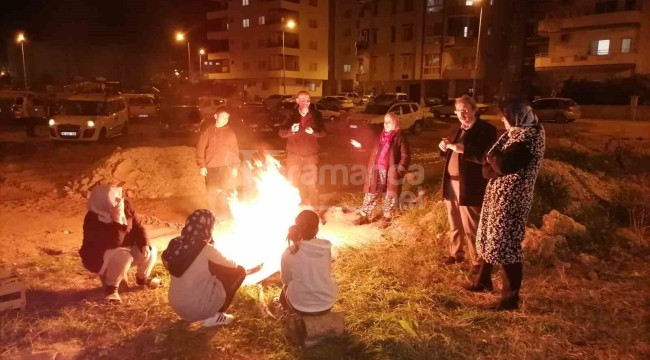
(113, 240)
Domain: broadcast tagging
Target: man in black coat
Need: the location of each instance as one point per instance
(463, 185)
(302, 127)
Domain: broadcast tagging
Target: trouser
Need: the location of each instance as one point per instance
(287, 305)
(463, 224)
(513, 275)
(119, 260)
(231, 279)
(302, 171)
(370, 200)
(218, 184)
(30, 125)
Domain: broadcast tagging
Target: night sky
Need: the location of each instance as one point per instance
(143, 25)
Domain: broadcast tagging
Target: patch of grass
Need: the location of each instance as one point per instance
(614, 163)
(550, 194)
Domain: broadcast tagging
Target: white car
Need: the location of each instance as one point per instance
(356, 99)
(209, 105)
(90, 117)
(409, 114)
(328, 115)
(142, 106)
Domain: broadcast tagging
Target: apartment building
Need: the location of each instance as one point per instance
(409, 45)
(593, 40)
(251, 45)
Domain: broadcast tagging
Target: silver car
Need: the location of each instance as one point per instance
(560, 110)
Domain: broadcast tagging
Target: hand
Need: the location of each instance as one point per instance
(295, 127)
(203, 171)
(146, 252)
(309, 130)
(443, 144)
(458, 148)
(234, 172)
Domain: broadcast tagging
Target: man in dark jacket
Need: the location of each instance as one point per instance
(302, 127)
(217, 154)
(463, 185)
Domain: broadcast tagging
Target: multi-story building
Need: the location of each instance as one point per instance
(251, 46)
(409, 45)
(593, 40)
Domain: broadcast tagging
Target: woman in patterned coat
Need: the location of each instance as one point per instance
(511, 165)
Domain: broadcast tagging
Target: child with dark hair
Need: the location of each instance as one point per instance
(306, 269)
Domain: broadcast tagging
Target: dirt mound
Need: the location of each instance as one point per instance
(556, 227)
(145, 172)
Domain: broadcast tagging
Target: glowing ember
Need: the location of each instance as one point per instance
(259, 228)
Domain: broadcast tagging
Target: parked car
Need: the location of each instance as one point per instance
(389, 98)
(336, 103)
(181, 119)
(328, 115)
(447, 109)
(208, 105)
(90, 117)
(367, 98)
(12, 104)
(409, 114)
(431, 101)
(254, 117)
(560, 110)
(142, 106)
(356, 99)
(276, 99)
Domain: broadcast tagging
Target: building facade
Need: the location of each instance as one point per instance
(251, 45)
(592, 40)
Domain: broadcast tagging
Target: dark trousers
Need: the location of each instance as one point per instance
(30, 125)
(302, 171)
(513, 275)
(218, 184)
(287, 306)
(230, 278)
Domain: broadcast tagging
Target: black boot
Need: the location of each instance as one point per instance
(513, 274)
(483, 282)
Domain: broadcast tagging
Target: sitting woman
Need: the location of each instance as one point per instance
(203, 281)
(387, 166)
(511, 166)
(306, 269)
(113, 240)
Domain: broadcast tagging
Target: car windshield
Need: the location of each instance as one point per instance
(377, 109)
(83, 108)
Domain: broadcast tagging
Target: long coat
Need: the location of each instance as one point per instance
(399, 159)
(477, 142)
(514, 163)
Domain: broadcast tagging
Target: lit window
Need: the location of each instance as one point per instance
(244, 2)
(469, 2)
(312, 87)
(599, 47)
(261, 20)
(246, 23)
(465, 31)
(626, 45)
(347, 68)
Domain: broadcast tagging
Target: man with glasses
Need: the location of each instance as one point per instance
(302, 127)
(463, 185)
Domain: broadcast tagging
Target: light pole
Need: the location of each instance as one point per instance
(201, 53)
(21, 39)
(180, 37)
(478, 47)
(290, 24)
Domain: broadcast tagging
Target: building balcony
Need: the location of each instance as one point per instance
(594, 21)
(548, 62)
(458, 72)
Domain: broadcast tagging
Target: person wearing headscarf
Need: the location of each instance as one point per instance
(511, 165)
(203, 281)
(114, 239)
(389, 161)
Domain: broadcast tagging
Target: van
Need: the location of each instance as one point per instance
(90, 117)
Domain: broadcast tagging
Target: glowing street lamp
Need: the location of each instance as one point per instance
(289, 25)
(180, 37)
(201, 53)
(21, 40)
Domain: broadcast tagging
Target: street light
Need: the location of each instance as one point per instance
(290, 25)
(201, 53)
(180, 37)
(478, 47)
(21, 40)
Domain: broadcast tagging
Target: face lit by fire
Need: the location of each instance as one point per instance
(465, 113)
(303, 101)
(390, 122)
(222, 118)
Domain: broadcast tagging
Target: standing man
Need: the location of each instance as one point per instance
(217, 154)
(302, 127)
(30, 115)
(463, 185)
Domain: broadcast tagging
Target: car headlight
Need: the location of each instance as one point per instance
(51, 122)
(90, 123)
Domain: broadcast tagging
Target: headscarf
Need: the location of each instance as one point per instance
(196, 234)
(519, 114)
(108, 203)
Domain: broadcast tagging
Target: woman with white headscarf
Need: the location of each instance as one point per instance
(511, 165)
(113, 240)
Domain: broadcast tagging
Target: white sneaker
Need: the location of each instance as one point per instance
(113, 298)
(219, 319)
